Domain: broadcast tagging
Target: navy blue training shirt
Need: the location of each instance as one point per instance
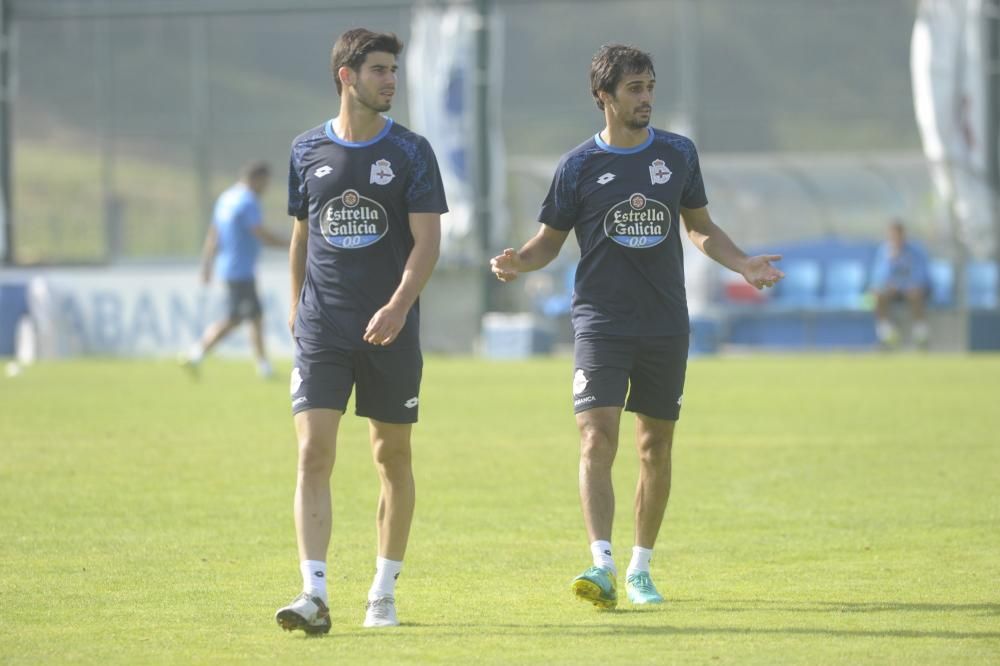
(357, 198)
(624, 205)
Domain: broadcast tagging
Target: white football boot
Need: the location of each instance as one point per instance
(307, 613)
(381, 613)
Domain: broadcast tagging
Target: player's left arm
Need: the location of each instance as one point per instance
(208, 250)
(386, 324)
(709, 237)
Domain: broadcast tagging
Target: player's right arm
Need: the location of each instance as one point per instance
(297, 263)
(536, 253)
(268, 237)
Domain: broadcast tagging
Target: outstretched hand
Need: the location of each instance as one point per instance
(759, 272)
(503, 265)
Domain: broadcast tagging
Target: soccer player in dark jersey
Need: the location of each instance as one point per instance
(366, 197)
(623, 191)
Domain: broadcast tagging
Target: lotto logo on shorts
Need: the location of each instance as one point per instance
(638, 222)
(352, 221)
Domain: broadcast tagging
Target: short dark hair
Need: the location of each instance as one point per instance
(611, 63)
(354, 46)
(255, 170)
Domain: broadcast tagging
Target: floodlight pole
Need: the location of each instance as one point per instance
(991, 22)
(483, 209)
(6, 221)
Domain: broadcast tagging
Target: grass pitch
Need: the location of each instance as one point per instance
(825, 510)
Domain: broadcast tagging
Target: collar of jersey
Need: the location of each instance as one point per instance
(624, 151)
(350, 144)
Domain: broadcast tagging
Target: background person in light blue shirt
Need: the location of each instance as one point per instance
(900, 272)
(232, 246)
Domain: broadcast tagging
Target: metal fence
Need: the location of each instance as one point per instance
(128, 118)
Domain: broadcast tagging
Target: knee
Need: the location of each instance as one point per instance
(316, 457)
(390, 456)
(654, 450)
(597, 445)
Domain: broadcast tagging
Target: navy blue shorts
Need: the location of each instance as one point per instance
(388, 380)
(644, 375)
(243, 300)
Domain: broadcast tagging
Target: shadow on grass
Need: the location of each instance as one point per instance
(584, 630)
(739, 606)
(756, 605)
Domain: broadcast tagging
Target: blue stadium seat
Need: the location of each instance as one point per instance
(942, 275)
(845, 285)
(981, 284)
(560, 303)
(800, 288)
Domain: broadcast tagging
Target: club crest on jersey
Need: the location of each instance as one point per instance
(659, 173)
(352, 221)
(637, 222)
(382, 172)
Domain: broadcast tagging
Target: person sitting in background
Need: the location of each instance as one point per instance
(900, 273)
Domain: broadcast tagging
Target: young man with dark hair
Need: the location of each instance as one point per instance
(623, 191)
(366, 199)
(230, 250)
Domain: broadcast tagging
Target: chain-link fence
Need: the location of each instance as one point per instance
(128, 121)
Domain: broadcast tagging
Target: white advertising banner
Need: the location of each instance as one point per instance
(137, 311)
(949, 68)
(441, 66)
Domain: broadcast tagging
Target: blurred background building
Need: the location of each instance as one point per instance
(123, 119)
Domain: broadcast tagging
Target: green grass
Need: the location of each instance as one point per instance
(826, 510)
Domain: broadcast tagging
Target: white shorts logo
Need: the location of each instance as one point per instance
(680, 399)
(382, 172)
(580, 382)
(411, 403)
(296, 381)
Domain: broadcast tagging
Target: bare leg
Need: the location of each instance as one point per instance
(598, 446)
(917, 300)
(257, 339)
(392, 456)
(317, 435)
(884, 328)
(216, 332)
(654, 439)
(882, 301)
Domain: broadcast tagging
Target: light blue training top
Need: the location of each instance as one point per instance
(237, 213)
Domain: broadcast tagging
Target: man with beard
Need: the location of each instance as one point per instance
(623, 191)
(366, 199)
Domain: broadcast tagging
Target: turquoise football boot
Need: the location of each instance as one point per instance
(597, 585)
(641, 590)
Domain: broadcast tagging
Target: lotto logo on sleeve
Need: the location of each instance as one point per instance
(638, 222)
(352, 221)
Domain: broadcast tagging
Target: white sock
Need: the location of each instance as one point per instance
(885, 330)
(314, 578)
(384, 583)
(264, 368)
(601, 550)
(921, 332)
(640, 560)
(196, 354)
